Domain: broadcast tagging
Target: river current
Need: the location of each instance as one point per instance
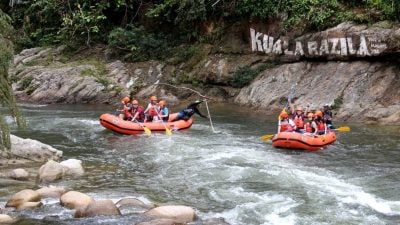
(230, 173)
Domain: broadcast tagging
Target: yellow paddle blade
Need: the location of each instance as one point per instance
(267, 137)
(147, 131)
(168, 131)
(343, 129)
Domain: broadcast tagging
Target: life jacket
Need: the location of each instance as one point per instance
(308, 128)
(152, 111)
(162, 113)
(285, 126)
(139, 109)
(299, 121)
(127, 111)
(320, 125)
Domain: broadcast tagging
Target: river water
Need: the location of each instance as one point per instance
(229, 174)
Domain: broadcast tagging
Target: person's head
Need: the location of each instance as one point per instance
(299, 110)
(283, 115)
(310, 115)
(162, 103)
(135, 103)
(153, 99)
(327, 107)
(318, 114)
(125, 100)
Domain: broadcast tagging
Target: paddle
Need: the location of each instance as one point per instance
(292, 92)
(146, 130)
(167, 130)
(343, 129)
(267, 137)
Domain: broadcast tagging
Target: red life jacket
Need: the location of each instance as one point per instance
(285, 126)
(152, 111)
(127, 112)
(139, 110)
(299, 121)
(320, 125)
(308, 127)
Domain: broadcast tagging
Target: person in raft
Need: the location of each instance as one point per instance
(151, 110)
(298, 117)
(124, 113)
(163, 112)
(308, 123)
(137, 112)
(189, 111)
(318, 124)
(328, 116)
(285, 123)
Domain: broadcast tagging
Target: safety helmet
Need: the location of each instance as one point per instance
(135, 102)
(125, 100)
(161, 103)
(318, 113)
(153, 98)
(283, 115)
(299, 108)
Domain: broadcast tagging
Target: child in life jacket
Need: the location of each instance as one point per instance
(151, 110)
(163, 112)
(319, 123)
(298, 119)
(124, 113)
(308, 123)
(137, 112)
(285, 124)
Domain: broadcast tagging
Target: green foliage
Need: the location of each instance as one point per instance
(26, 82)
(337, 102)
(245, 75)
(7, 98)
(135, 43)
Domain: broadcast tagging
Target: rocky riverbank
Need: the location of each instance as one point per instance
(352, 67)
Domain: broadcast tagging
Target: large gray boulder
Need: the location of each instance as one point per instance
(28, 150)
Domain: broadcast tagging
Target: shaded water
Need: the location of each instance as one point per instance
(229, 174)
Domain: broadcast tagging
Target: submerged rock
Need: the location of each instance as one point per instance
(98, 208)
(179, 213)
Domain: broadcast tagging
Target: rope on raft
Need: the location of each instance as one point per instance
(203, 96)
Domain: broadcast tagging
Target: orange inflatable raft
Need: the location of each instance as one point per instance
(307, 141)
(114, 123)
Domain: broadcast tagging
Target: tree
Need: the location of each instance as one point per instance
(7, 98)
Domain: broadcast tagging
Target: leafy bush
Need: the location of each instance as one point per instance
(137, 44)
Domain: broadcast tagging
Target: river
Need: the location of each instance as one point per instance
(229, 173)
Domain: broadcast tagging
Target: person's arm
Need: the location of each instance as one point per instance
(292, 124)
(314, 125)
(147, 108)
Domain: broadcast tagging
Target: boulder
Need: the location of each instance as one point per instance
(6, 219)
(29, 205)
(51, 171)
(28, 150)
(51, 192)
(98, 208)
(162, 222)
(183, 214)
(23, 196)
(75, 200)
(19, 174)
(73, 167)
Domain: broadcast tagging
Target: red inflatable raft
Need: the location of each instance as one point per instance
(307, 141)
(114, 123)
